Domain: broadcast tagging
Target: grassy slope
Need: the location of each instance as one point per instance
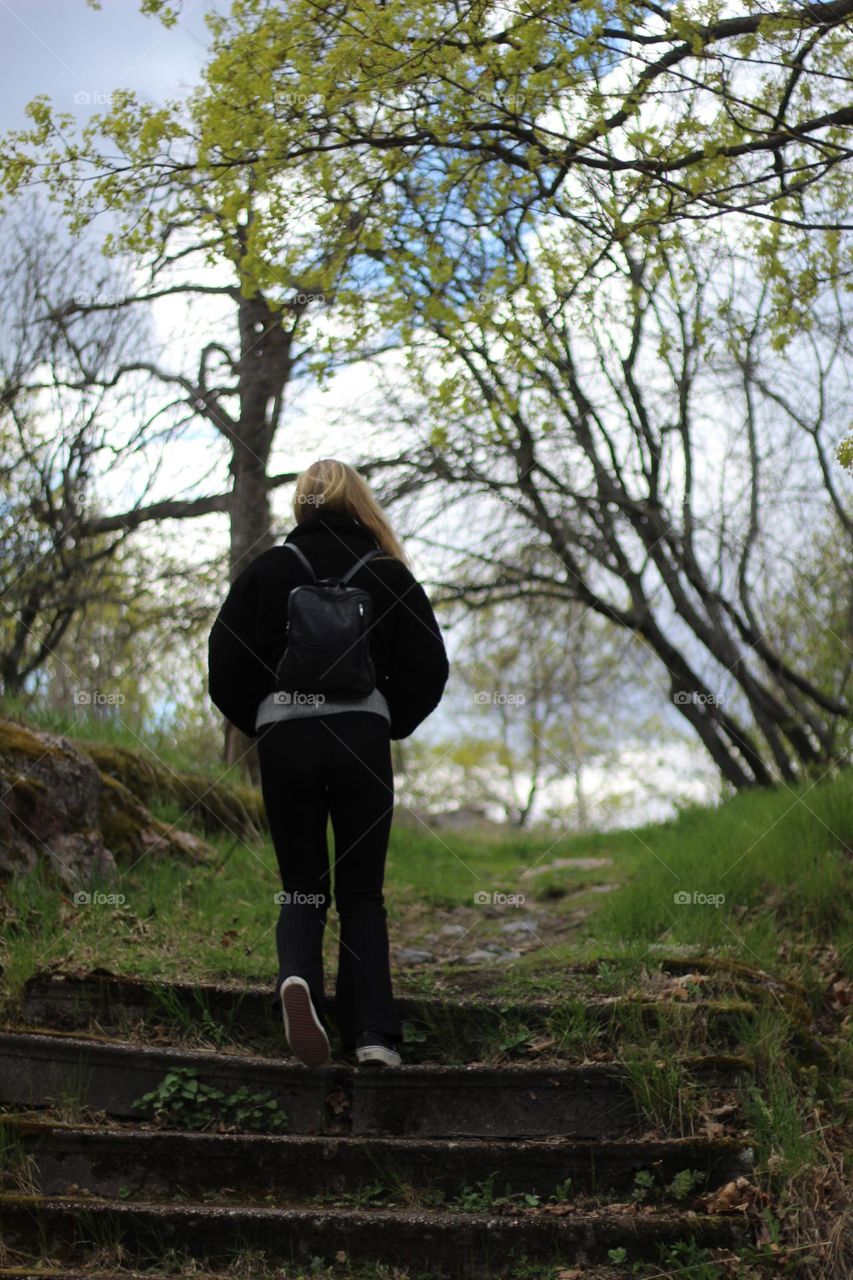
(767, 875)
(781, 859)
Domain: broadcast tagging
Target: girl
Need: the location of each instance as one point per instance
(321, 759)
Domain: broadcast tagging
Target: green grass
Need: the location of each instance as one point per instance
(200, 752)
(781, 859)
(776, 872)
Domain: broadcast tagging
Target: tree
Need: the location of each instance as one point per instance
(649, 436)
(243, 374)
(460, 159)
(54, 447)
(617, 116)
(549, 691)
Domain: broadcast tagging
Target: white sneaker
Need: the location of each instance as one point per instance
(305, 1033)
(369, 1051)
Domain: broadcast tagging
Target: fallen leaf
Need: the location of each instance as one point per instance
(738, 1194)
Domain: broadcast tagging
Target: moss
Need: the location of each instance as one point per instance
(221, 807)
(129, 830)
(17, 739)
(30, 790)
(208, 806)
(122, 819)
(142, 776)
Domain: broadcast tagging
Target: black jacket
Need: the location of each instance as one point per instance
(247, 638)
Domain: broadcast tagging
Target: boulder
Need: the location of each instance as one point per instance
(59, 809)
(51, 794)
(207, 807)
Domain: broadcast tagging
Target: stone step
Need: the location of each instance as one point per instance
(150, 1162)
(96, 1271)
(247, 1013)
(441, 1245)
(40, 1069)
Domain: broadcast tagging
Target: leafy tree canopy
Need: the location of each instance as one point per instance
(368, 120)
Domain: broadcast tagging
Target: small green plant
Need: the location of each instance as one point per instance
(480, 1197)
(413, 1034)
(432, 1197)
(182, 1101)
(685, 1181)
(562, 1192)
(511, 1040)
(617, 1255)
(687, 1258)
(643, 1184)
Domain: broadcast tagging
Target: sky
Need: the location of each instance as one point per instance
(78, 56)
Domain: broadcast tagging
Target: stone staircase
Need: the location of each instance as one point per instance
(462, 1163)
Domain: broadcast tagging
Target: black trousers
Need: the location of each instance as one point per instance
(337, 766)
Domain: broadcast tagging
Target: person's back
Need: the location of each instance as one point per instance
(330, 756)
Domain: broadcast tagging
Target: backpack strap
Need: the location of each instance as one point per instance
(376, 551)
(292, 546)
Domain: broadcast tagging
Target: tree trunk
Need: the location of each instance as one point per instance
(264, 370)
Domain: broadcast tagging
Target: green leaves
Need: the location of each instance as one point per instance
(182, 1101)
(383, 131)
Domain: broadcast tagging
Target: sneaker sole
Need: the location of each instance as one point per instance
(378, 1055)
(305, 1035)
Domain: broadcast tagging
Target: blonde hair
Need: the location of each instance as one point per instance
(337, 485)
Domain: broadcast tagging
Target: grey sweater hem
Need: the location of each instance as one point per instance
(300, 706)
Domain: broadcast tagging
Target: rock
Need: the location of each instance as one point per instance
(131, 832)
(50, 807)
(58, 807)
(207, 807)
(413, 955)
(521, 926)
(453, 930)
(466, 817)
(482, 955)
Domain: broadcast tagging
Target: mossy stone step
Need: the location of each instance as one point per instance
(589, 1101)
(444, 1246)
(105, 1161)
(451, 1028)
(95, 1271)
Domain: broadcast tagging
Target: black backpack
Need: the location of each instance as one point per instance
(327, 636)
